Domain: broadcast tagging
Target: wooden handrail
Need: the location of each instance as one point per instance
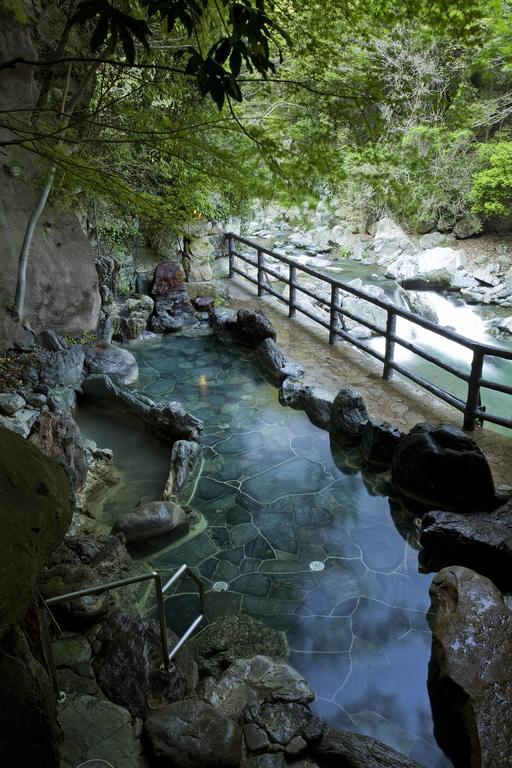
(471, 408)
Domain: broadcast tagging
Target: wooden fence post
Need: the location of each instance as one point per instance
(473, 398)
(389, 354)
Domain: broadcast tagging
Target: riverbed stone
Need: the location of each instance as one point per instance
(352, 750)
(185, 466)
(482, 541)
(274, 364)
(110, 360)
(172, 736)
(348, 414)
(316, 402)
(95, 728)
(11, 403)
(439, 467)
(127, 665)
(224, 641)
(469, 674)
(151, 520)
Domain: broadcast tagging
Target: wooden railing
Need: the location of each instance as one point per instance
(471, 408)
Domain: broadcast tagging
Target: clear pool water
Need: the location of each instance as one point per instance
(294, 536)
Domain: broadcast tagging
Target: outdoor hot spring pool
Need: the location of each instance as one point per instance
(292, 534)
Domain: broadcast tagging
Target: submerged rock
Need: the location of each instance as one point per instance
(275, 366)
(148, 521)
(127, 665)
(439, 467)
(185, 465)
(469, 674)
(348, 414)
(315, 402)
(113, 361)
(482, 541)
(169, 420)
(172, 734)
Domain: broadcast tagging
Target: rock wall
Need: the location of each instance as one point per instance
(62, 284)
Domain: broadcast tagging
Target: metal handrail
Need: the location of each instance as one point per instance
(167, 655)
(471, 407)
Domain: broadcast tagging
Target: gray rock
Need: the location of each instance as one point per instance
(134, 317)
(226, 640)
(469, 674)
(390, 241)
(11, 403)
(96, 729)
(169, 420)
(109, 360)
(434, 240)
(438, 266)
(418, 303)
(276, 367)
(172, 735)
(64, 368)
(255, 738)
(148, 521)
(285, 720)
(379, 441)
(71, 650)
(127, 665)
(314, 401)
(348, 414)
(16, 425)
(351, 750)
(62, 398)
(482, 541)
(467, 226)
(173, 310)
(185, 466)
(256, 679)
(252, 328)
(439, 467)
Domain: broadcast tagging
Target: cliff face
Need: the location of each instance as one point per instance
(62, 284)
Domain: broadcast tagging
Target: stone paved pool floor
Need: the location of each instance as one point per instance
(398, 401)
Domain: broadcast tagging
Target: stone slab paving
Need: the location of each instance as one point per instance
(400, 402)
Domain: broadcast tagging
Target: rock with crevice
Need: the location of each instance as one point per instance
(439, 467)
(469, 674)
(352, 750)
(482, 541)
(192, 734)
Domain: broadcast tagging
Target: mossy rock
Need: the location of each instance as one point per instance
(34, 517)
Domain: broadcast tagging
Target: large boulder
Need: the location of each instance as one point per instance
(379, 440)
(314, 401)
(57, 435)
(252, 328)
(172, 735)
(479, 540)
(128, 660)
(435, 268)
(62, 368)
(151, 520)
(439, 467)
(348, 414)
(35, 516)
(390, 241)
(169, 420)
(185, 466)
(469, 674)
(197, 261)
(274, 364)
(110, 360)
